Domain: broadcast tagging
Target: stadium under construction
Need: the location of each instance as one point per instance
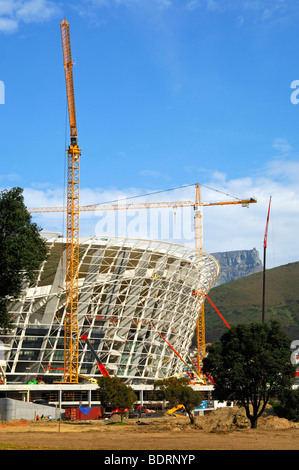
(112, 306)
(137, 311)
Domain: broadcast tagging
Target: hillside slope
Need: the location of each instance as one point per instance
(240, 301)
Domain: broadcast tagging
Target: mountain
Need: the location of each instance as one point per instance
(240, 301)
(237, 264)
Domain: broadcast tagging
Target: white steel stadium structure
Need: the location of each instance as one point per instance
(129, 291)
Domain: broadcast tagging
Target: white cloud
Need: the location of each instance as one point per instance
(282, 145)
(262, 9)
(36, 10)
(154, 174)
(193, 5)
(10, 177)
(7, 7)
(232, 227)
(8, 25)
(165, 3)
(128, 3)
(14, 12)
(225, 228)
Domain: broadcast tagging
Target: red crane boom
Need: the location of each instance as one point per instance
(264, 270)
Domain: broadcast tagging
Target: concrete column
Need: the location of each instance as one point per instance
(59, 398)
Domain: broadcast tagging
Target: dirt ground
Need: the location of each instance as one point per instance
(223, 429)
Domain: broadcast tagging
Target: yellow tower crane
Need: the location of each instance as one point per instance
(71, 333)
(200, 328)
(153, 205)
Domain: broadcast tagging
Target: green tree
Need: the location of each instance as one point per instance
(178, 392)
(22, 250)
(116, 393)
(249, 364)
(289, 405)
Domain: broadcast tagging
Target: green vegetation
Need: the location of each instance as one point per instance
(178, 392)
(22, 250)
(240, 301)
(115, 393)
(250, 364)
(288, 407)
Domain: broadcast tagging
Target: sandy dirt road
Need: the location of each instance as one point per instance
(221, 430)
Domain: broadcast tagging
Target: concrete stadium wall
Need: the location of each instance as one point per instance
(17, 409)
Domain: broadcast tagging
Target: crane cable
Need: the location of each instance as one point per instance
(163, 191)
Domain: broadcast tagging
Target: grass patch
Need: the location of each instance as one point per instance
(118, 423)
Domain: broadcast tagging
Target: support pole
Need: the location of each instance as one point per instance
(264, 267)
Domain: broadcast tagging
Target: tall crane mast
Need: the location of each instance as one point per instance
(71, 331)
(200, 322)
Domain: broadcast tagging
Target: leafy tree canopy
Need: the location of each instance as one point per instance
(22, 249)
(178, 392)
(249, 364)
(289, 405)
(116, 393)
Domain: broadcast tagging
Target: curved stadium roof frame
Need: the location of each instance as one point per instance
(129, 290)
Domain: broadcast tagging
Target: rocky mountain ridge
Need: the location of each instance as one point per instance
(237, 264)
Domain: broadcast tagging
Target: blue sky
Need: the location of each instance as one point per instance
(168, 93)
